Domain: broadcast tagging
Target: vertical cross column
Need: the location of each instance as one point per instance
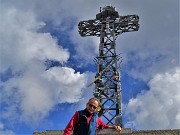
(108, 88)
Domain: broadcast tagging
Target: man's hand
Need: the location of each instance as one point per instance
(117, 128)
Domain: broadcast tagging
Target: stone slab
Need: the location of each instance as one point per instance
(125, 131)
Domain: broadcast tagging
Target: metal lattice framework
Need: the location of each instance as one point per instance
(108, 25)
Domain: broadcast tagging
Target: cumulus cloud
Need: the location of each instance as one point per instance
(152, 49)
(32, 90)
(22, 45)
(34, 95)
(154, 57)
(3, 131)
(86, 47)
(157, 108)
(156, 43)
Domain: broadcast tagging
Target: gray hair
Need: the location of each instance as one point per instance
(94, 99)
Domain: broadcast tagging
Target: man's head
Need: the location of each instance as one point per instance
(92, 105)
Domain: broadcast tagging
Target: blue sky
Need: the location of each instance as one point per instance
(45, 65)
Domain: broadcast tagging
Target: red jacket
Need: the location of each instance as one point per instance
(74, 120)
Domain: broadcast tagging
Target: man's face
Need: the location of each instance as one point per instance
(92, 106)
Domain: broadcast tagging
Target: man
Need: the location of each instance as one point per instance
(86, 122)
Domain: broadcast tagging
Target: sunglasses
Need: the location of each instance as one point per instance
(92, 106)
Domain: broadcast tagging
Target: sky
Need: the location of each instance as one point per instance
(45, 65)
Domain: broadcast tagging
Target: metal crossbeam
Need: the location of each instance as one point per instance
(122, 24)
(108, 25)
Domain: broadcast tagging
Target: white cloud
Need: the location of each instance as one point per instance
(157, 108)
(22, 46)
(1, 126)
(86, 47)
(87, 93)
(35, 93)
(154, 57)
(7, 132)
(158, 29)
(68, 83)
(4, 131)
(152, 48)
(32, 91)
